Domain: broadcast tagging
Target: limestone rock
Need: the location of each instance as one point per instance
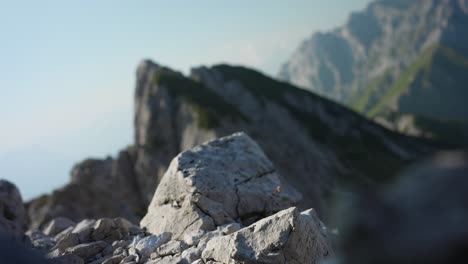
(191, 254)
(84, 229)
(64, 233)
(69, 240)
(95, 241)
(216, 183)
(286, 237)
(88, 250)
(171, 248)
(99, 188)
(205, 199)
(67, 259)
(114, 259)
(12, 211)
(149, 244)
(57, 225)
(40, 241)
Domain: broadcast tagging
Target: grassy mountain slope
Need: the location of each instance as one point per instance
(366, 153)
(432, 90)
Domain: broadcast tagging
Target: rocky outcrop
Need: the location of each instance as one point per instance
(215, 193)
(225, 181)
(403, 224)
(317, 145)
(286, 237)
(98, 188)
(12, 213)
(379, 41)
(89, 241)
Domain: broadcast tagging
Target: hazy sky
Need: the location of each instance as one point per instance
(67, 67)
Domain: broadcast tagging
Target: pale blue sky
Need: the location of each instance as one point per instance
(67, 67)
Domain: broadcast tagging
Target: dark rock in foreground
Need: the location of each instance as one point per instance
(12, 213)
(12, 252)
(422, 219)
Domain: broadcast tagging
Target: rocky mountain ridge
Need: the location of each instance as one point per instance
(320, 147)
(400, 62)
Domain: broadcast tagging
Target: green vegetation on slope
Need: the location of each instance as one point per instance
(209, 106)
(367, 154)
(267, 89)
(363, 101)
(401, 85)
(431, 90)
(422, 67)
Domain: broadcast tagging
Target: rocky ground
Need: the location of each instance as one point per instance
(223, 202)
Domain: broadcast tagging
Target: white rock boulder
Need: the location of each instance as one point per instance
(286, 237)
(228, 180)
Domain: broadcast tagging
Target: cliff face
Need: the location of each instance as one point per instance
(314, 142)
(318, 146)
(396, 58)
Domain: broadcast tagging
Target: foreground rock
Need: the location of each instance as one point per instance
(229, 180)
(205, 200)
(422, 219)
(89, 241)
(12, 212)
(286, 237)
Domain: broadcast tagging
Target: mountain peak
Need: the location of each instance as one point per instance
(395, 58)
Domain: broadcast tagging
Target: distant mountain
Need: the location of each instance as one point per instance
(320, 147)
(401, 62)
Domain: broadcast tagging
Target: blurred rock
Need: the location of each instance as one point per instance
(67, 259)
(57, 225)
(12, 252)
(12, 211)
(88, 250)
(40, 241)
(98, 189)
(420, 220)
